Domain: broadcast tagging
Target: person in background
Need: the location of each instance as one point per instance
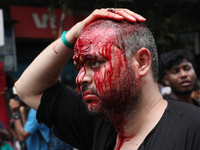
(35, 135)
(4, 137)
(119, 106)
(23, 110)
(4, 134)
(196, 91)
(17, 145)
(57, 144)
(179, 69)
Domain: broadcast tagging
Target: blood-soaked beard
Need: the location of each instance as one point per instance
(121, 100)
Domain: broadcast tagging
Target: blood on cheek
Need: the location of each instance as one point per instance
(80, 76)
(102, 78)
(105, 79)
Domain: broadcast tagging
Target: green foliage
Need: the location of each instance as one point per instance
(168, 20)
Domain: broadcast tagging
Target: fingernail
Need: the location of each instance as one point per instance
(142, 18)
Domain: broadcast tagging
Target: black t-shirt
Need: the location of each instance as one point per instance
(178, 129)
(168, 97)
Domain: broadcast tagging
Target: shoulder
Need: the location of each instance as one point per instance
(31, 114)
(60, 101)
(167, 97)
(196, 102)
(31, 123)
(59, 90)
(184, 111)
(32, 111)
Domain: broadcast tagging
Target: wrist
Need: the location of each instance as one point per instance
(16, 115)
(15, 109)
(65, 41)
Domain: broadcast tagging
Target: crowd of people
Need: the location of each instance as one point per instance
(25, 133)
(119, 104)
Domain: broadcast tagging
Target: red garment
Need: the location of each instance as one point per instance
(4, 117)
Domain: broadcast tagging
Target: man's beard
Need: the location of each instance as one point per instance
(121, 100)
(182, 93)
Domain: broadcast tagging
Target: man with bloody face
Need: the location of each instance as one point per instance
(107, 75)
(119, 105)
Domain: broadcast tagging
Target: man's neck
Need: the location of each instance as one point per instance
(182, 98)
(136, 128)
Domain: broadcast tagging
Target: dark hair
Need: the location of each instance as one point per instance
(16, 97)
(130, 37)
(175, 57)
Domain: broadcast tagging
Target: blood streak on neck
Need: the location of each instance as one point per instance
(122, 140)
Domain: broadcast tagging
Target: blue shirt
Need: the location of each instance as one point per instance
(35, 141)
(2, 126)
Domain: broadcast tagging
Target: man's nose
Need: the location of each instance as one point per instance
(183, 73)
(84, 77)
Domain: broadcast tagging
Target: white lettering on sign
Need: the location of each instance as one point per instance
(44, 21)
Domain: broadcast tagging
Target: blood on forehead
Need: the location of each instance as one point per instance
(92, 43)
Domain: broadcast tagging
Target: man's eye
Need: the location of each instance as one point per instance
(95, 64)
(174, 71)
(187, 68)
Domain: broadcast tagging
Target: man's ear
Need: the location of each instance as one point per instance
(165, 80)
(143, 57)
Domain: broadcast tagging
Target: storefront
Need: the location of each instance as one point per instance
(32, 29)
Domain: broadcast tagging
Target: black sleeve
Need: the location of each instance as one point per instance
(64, 109)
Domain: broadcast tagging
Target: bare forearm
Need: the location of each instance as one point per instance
(21, 133)
(13, 133)
(24, 112)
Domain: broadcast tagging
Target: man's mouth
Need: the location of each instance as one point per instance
(90, 97)
(185, 83)
(92, 100)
